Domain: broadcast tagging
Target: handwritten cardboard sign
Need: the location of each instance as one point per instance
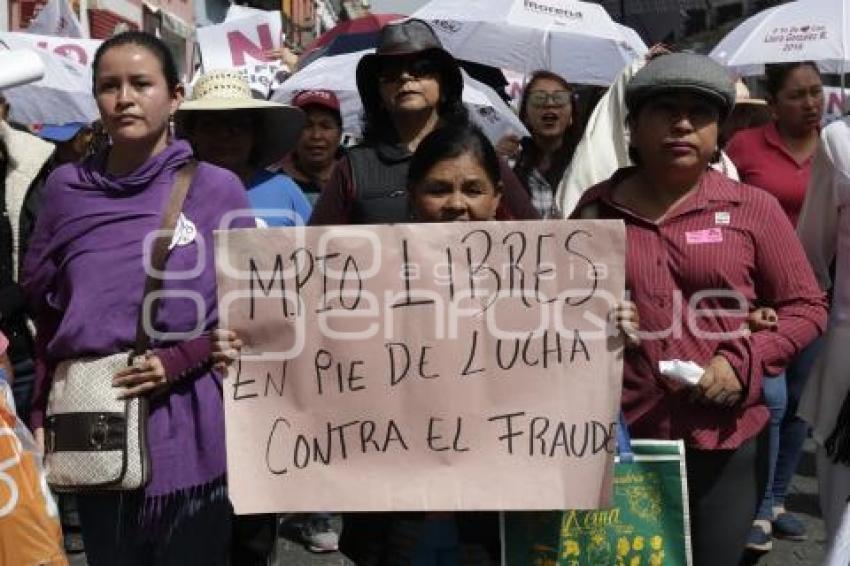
(461, 366)
(242, 44)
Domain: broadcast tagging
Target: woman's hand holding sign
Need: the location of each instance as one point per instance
(226, 347)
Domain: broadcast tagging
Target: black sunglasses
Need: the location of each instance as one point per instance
(417, 67)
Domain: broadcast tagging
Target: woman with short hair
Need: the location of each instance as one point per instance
(703, 251)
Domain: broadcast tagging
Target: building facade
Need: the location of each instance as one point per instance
(299, 21)
(171, 20)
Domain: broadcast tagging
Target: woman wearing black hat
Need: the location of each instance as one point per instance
(408, 87)
(703, 251)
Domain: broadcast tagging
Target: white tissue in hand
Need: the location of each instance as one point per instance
(686, 372)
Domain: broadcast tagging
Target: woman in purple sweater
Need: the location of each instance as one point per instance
(84, 273)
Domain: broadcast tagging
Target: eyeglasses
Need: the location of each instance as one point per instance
(542, 98)
(392, 69)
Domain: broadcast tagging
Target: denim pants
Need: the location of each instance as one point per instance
(794, 430)
(788, 432)
(776, 398)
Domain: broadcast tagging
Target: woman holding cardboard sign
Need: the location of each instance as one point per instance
(699, 246)
(454, 176)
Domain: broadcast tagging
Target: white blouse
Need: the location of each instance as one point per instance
(824, 223)
(824, 229)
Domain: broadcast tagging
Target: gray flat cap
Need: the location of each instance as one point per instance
(682, 72)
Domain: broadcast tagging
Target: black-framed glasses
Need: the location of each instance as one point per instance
(417, 67)
(554, 98)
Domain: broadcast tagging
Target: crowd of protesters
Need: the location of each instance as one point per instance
(77, 199)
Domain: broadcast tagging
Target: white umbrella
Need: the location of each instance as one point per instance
(633, 40)
(63, 95)
(338, 73)
(577, 40)
(805, 30)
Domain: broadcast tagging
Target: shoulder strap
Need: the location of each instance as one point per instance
(358, 163)
(624, 440)
(159, 251)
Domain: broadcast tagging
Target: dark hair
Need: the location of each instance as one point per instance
(531, 154)
(189, 120)
(6, 106)
(449, 142)
(335, 114)
(378, 124)
(775, 75)
(146, 40)
(744, 117)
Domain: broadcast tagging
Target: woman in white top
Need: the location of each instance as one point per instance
(824, 228)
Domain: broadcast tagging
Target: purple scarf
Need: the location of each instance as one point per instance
(85, 268)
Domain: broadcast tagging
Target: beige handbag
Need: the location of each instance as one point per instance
(93, 440)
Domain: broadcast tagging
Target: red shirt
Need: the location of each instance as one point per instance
(727, 237)
(763, 161)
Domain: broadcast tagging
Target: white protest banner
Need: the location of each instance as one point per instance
(78, 50)
(237, 12)
(242, 44)
(56, 18)
(832, 99)
(457, 366)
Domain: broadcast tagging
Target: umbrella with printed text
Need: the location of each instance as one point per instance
(804, 30)
(577, 40)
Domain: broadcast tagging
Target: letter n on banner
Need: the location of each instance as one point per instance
(241, 45)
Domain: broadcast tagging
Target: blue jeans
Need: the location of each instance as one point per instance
(794, 430)
(788, 432)
(776, 398)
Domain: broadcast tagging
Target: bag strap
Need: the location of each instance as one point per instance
(624, 440)
(159, 250)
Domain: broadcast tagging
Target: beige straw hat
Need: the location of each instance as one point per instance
(742, 95)
(226, 90)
